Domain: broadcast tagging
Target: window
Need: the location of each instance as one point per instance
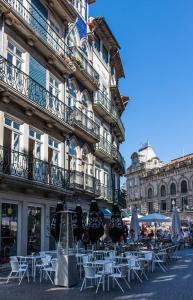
(163, 191)
(173, 189)
(163, 205)
(184, 188)
(15, 127)
(54, 151)
(85, 49)
(80, 6)
(184, 203)
(97, 43)
(72, 94)
(35, 144)
(54, 86)
(150, 193)
(72, 155)
(14, 54)
(105, 55)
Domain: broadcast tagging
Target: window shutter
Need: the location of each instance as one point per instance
(39, 17)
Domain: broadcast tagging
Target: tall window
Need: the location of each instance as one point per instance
(53, 152)
(150, 193)
(184, 188)
(14, 57)
(105, 54)
(97, 43)
(85, 49)
(35, 138)
(163, 191)
(71, 102)
(80, 6)
(72, 156)
(173, 189)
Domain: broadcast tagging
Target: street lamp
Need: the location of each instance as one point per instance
(173, 203)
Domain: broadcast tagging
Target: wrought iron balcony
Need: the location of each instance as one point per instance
(21, 165)
(39, 25)
(104, 149)
(105, 107)
(106, 192)
(17, 80)
(119, 159)
(85, 67)
(89, 128)
(84, 182)
(120, 129)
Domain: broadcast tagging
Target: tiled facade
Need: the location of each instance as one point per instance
(60, 116)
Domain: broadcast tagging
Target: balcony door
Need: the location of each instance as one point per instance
(55, 173)
(106, 184)
(36, 166)
(13, 161)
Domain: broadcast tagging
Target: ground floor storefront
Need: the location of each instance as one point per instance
(25, 221)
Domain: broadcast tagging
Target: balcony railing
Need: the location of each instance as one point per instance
(105, 102)
(121, 126)
(84, 64)
(82, 181)
(106, 192)
(21, 165)
(39, 24)
(32, 90)
(119, 158)
(84, 122)
(104, 145)
(17, 164)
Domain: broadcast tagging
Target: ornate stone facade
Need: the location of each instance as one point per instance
(155, 186)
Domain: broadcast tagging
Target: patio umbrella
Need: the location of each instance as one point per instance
(134, 226)
(176, 226)
(78, 223)
(155, 218)
(95, 225)
(116, 228)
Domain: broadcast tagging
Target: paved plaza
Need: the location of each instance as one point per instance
(175, 284)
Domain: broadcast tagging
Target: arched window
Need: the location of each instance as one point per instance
(150, 193)
(184, 187)
(173, 189)
(163, 191)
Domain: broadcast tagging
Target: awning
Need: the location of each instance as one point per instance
(106, 213)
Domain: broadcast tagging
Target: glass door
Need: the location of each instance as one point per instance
(8, 230)
(34, 229)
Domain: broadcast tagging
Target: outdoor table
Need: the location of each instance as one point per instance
(33, 259)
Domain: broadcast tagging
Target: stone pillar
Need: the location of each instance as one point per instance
(24, 228)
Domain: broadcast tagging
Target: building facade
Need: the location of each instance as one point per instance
(60, 117)
(155, 186)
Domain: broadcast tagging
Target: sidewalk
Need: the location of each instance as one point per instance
(176, 284)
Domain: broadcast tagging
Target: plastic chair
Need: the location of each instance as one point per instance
(48, 269)
(90, 274)
(107, 270)
(135, 266)
(18, 270)
(120, 272)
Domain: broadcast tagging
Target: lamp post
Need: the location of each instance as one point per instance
(173, 203)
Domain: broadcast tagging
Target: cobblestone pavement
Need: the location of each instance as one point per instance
(176, 284)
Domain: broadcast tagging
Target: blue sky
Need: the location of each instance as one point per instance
(156, 37)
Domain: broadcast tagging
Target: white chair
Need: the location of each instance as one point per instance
(90, 274)
(149, 259)
(106, 271)
(18, 270)
(84, 260)
(48, 267)
(159, 260)
(136, 268)
(120, 272)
